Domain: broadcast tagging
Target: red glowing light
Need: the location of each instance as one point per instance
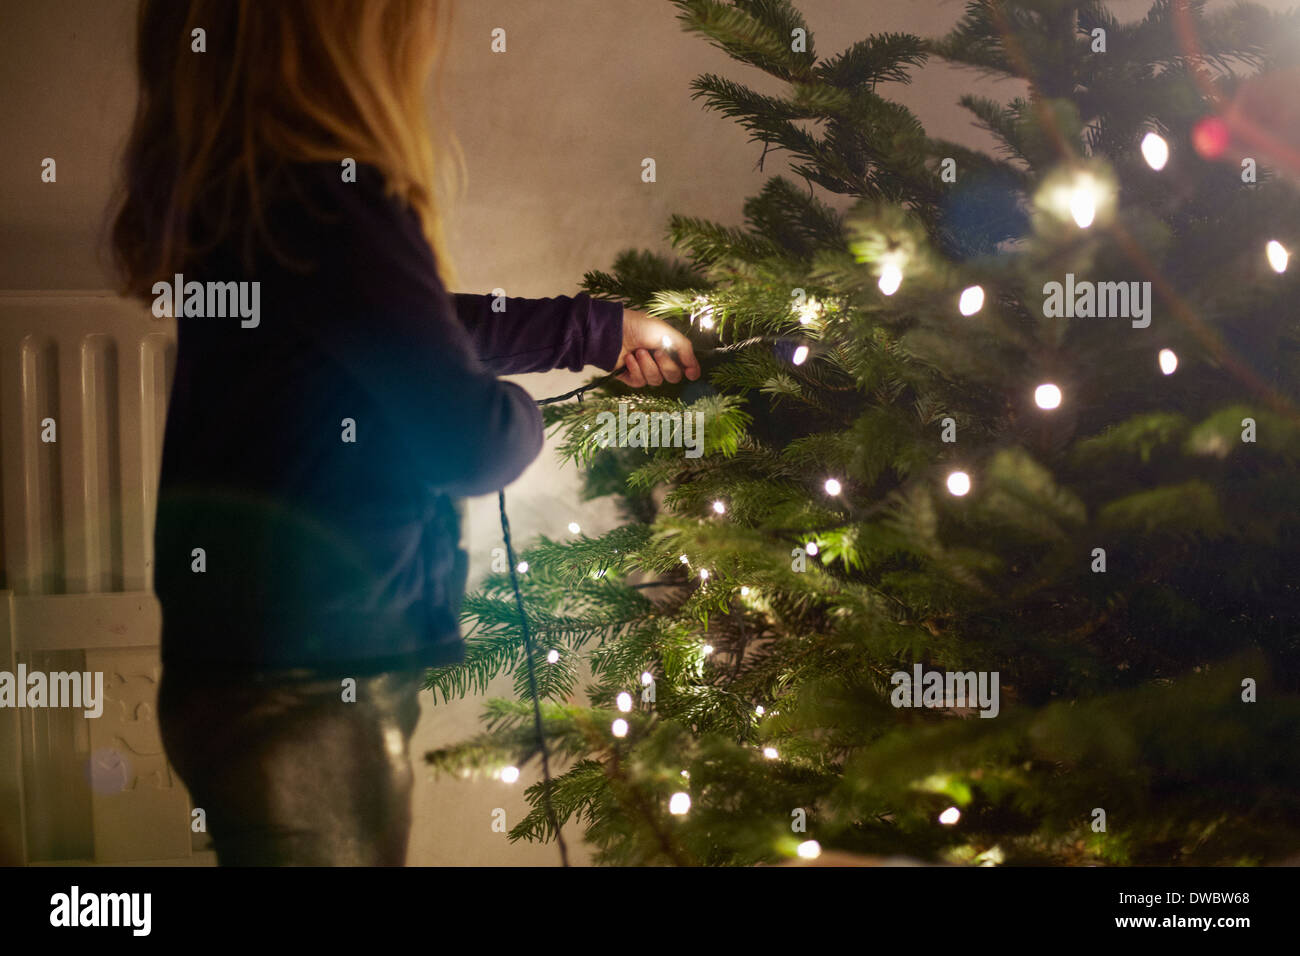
(1210, 137)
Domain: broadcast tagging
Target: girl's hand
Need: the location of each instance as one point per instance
(644, 353)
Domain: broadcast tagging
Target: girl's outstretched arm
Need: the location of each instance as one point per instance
(514, 335)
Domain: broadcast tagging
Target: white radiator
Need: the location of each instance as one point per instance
(76, 571)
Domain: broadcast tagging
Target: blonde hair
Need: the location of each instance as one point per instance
(282, 81)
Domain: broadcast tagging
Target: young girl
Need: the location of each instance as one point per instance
(321, 431)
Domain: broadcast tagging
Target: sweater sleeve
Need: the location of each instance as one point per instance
(396, 334)
(537, 335)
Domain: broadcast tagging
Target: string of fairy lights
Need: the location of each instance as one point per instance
(1080, 197)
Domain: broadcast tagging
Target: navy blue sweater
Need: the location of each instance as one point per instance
(317, 457)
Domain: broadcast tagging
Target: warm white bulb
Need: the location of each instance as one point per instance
(619, 728)
(686, 774)
(760, 710)
(679, 803)
(1168, 361)
(574, 527)
(684, 559)
(958, 483)
(770, 753)
(704, 574)
(1047, 395)
(1083, 203)
(1277, 255)
(522, 567)
(744, 592)
(552, 656)
(707, 649)
(647, 678)
(950, 816)
(833, 487)
(1155, 150)
(811, 547)
(625, 702)
(509, 774)
(972, 300)
(891, 277)
(809, 311)
(809, 849)
(800, 355)
(719, 507)
(703, 311)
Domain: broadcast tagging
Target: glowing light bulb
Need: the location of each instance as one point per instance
(704, 574)
(809, 849)
(707, 649)
(1155, 150)
(684, 559)
(760, 710)
(509, 774)
(522, 567)
(719, 507)
(686, 774)
(809, 311)
(950, 816)
(770, 753)
(811, 547)
(625, 702)
(1047, 395)
(800, 355)
(574, 528)
(1277, 255)
(971, 301)
(1210, 137)
(619, 728)
(833, 487)
(891, 277)
(704, 314)
(958, 483)
(1083, 202)
(744, 592)
(1168, 361)
(679, 804)
(552, 656)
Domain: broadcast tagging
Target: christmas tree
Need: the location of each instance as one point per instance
(987, 553)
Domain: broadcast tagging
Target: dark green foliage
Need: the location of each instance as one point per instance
(1120, 689)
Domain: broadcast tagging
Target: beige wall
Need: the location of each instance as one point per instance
(554, 132)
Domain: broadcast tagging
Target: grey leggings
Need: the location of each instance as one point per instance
(287, 772)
